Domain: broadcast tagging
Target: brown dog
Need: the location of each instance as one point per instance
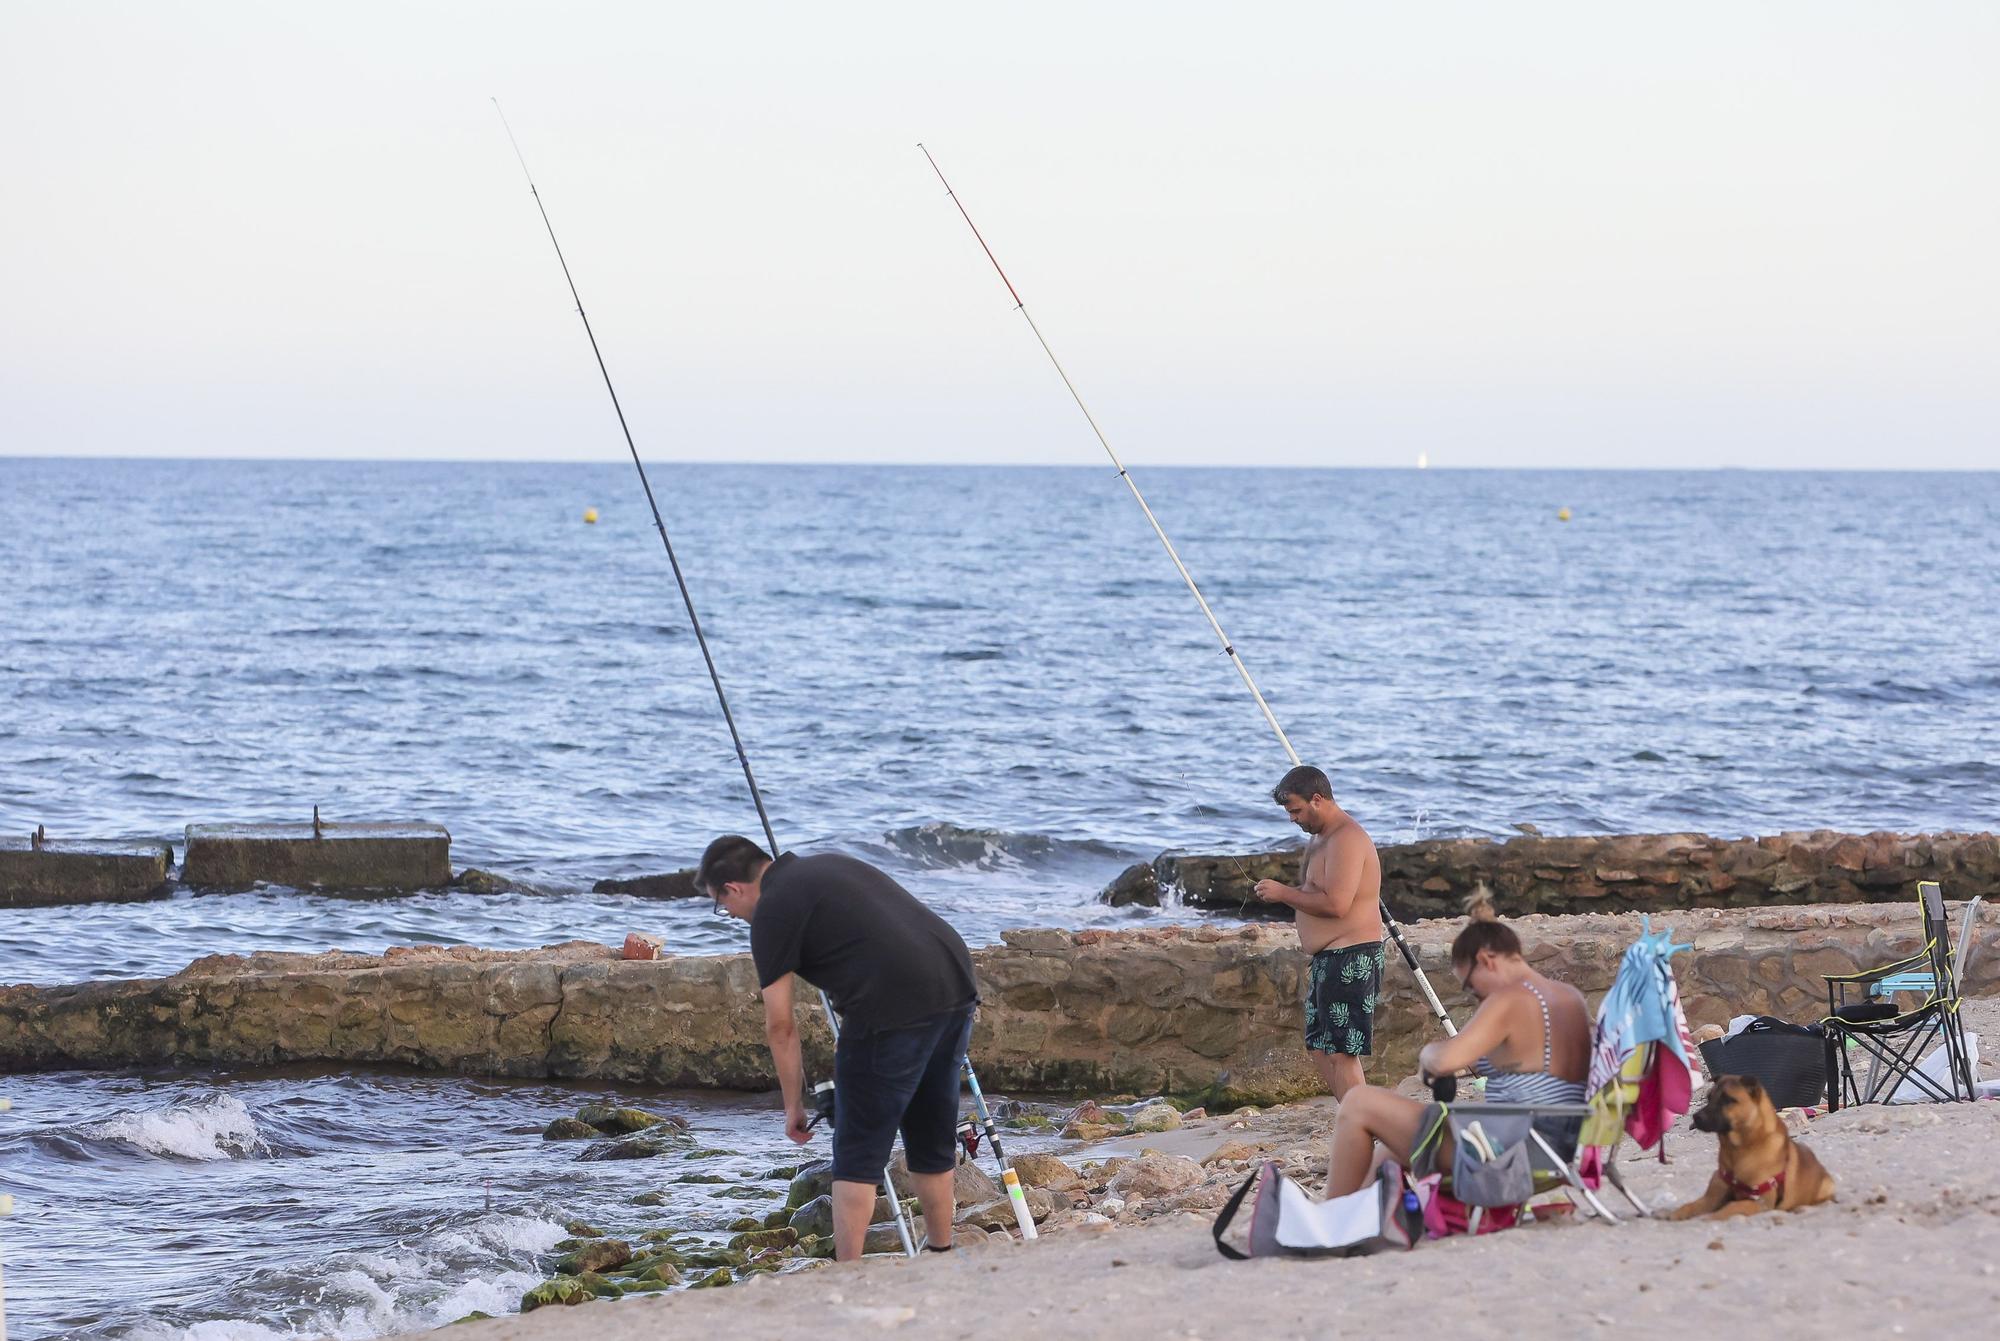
(1758, 1167)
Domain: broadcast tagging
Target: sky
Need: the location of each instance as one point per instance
(1338, 234)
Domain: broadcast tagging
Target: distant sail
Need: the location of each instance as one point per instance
(1423, 460)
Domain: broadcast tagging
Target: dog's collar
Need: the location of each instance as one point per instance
(1745, 1192)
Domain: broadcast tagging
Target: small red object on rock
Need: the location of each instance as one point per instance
(641, 946)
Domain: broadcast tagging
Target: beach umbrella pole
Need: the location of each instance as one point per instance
(687, 600)
(1229, 648)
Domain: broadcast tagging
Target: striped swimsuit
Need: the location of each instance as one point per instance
(1531, 1087)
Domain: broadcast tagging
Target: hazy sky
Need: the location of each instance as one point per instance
(1505, 234)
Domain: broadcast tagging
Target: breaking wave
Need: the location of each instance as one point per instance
(434, 1279)
(939, 845)
(211, 1128)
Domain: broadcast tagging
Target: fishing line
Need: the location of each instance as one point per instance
(1389, 923)
(687, 599)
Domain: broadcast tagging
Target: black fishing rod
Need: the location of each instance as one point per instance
(687, 599)
(1389, 923)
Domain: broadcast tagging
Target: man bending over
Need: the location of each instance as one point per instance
(1338, 902)
(901, 980)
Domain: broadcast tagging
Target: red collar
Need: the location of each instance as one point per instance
(1745, 1192)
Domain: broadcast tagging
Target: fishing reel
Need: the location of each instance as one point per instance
(1444, 1089)
(968, 1137)
(822, 1104)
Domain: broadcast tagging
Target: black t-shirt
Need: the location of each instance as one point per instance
(881, 957)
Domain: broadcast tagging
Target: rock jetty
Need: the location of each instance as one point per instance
(1202, 1013)
(1605, 874)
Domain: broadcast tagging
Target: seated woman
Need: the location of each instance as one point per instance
(1530, 1038)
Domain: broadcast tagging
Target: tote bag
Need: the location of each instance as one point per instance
(1288, 1221)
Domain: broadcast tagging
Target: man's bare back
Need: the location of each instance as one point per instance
(1338, 861)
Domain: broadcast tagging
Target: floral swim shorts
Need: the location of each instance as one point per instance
(1341, 987)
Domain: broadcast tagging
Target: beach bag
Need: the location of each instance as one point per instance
(1788, 1060)
(1288, 1221)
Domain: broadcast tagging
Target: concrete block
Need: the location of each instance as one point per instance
(88, 870)
(396, 856)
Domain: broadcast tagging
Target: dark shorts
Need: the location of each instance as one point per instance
(1341, 988)
(890, 1080)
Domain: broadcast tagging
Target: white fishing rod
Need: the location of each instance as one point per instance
(1388, 920)
(694, 620)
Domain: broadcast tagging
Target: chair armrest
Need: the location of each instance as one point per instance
(1921, 957)
(1483, 1109)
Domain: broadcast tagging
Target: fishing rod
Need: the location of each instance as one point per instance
(1009, 1178)
(1388, 919)
(687, 600)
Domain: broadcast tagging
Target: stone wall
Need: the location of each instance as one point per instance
(1203, 1011)
(1611, 873)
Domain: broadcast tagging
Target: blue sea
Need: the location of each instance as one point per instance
(989, 680)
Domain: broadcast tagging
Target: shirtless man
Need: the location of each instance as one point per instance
(1339, 916)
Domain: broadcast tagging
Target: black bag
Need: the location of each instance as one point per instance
(1788, 1060)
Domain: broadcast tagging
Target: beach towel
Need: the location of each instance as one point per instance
(1642, 1065)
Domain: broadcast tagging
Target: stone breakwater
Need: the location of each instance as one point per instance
(1208, 1013)
(1606, 874)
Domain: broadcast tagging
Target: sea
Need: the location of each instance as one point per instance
(991, 681)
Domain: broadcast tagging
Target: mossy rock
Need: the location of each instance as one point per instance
(813, 1245)
(661, 1267)
(809, 1183)
(778, 1217)
(618, 1121)
(568, 1129)
(659, 1236)
(650, 1199)
(559, 1290)
(595, 1255)
(646, 1286)
(644, 1145)
(745, 1224)
(703, 1178)
(748, 1192)
(582, 1229)
(718, 1277)
(760, 1265)
(706, 1154)
(476, 1315)
(658, 1276)
(705, 1259)
(782, 1173)
(600, 1288)
(757, 1241)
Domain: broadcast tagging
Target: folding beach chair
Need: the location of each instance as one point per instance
(1501, 1162)
(1863, 1014)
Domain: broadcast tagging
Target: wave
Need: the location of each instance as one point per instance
(412, 1285)
(212, 1128)
(939, 845)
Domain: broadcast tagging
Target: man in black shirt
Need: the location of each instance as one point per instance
(901, 980)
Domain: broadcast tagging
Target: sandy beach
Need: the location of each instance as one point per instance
(1912, 1240)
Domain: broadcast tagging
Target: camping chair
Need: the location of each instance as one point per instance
(1524, 1165)
(1862, 1013)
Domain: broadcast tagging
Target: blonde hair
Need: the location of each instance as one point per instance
(1483, 929)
